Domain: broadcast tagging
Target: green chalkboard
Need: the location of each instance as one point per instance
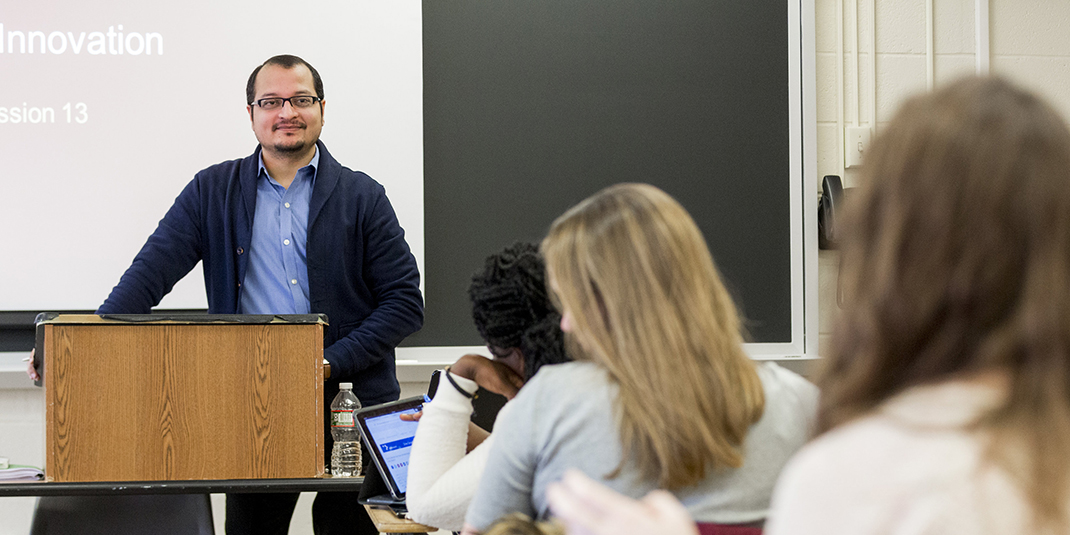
(532, 105)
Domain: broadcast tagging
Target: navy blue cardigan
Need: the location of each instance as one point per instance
(360, 270)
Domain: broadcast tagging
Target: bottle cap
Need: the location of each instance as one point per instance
(345, 386)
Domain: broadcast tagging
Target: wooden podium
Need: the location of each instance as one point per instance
(140, 398)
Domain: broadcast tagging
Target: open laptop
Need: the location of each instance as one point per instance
(389, 442)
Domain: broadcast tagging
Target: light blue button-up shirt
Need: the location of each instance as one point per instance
(276, 279)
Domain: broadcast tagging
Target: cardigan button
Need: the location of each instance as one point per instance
(240, 250)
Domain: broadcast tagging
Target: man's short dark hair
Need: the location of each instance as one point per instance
(285, 61)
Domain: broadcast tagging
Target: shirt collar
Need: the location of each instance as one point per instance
(314, 164)
(953, 403)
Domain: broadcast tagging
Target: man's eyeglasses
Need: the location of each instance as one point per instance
(274, 103)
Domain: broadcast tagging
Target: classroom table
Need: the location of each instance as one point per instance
(385, 521)
(204, 486)
(64, 492)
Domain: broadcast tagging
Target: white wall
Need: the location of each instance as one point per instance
(1027, 43)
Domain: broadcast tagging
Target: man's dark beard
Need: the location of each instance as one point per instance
(283, 149)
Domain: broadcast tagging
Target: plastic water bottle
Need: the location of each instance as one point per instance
(345, 457)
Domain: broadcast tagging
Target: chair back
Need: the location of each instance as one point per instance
(709, 528)
(159, 514)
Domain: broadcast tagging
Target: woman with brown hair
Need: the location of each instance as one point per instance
(946, 398)
(663, 395)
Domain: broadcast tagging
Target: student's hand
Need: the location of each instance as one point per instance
(30, 370)
(589, 508)
(488, 374)
(411, 416)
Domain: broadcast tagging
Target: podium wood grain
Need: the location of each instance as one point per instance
(150, 402)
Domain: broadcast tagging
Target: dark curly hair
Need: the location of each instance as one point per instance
(511, 307)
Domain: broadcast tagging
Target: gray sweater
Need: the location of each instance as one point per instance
(564, 418)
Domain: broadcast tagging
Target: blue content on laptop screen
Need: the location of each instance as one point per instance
(393, 436)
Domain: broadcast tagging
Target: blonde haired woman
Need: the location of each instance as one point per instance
(663, 395)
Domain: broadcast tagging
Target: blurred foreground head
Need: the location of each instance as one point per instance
(520, 524)
(956, 264)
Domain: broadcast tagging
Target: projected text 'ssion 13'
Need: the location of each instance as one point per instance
(74, 113)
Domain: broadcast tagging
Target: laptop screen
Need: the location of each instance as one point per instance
(389, 439)
(393, 437)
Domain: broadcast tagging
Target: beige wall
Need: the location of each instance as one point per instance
(1028, 42)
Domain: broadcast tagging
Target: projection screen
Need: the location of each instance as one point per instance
(107, 109)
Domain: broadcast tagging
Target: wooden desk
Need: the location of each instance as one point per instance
(387, 522)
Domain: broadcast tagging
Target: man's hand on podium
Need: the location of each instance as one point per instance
(30, 370)
(326, 369)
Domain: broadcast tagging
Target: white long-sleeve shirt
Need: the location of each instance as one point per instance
(442, 478)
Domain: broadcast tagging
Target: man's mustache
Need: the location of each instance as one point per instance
(297, 124)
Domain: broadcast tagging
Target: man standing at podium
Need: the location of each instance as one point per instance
(288, 230)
